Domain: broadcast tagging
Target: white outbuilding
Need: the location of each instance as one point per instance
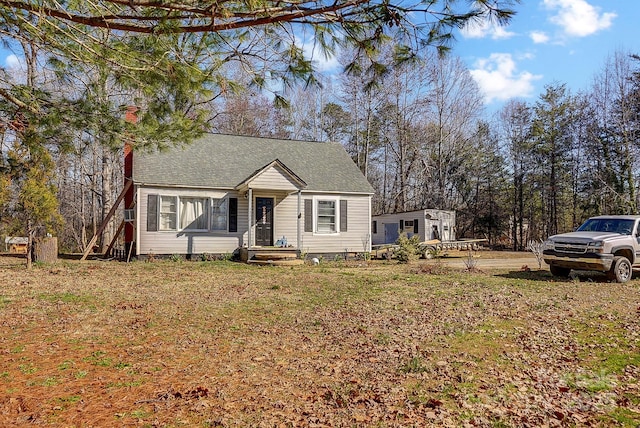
(428, 224)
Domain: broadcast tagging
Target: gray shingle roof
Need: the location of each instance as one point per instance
(224, 161)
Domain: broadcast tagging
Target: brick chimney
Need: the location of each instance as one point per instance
(131, 117)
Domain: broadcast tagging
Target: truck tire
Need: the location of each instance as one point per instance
(559, 271)
(620, 269)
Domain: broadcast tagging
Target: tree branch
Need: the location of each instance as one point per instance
(230, 19)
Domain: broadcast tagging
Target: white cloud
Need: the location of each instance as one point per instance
(539, 37)
(13, 62)
(479, 30)
(578, 18)
(498, 78)
(322, 62)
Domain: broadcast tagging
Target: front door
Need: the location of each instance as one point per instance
(264, 222)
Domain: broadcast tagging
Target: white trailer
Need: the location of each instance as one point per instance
(427, 224)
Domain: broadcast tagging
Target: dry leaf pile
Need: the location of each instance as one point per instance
(221, 344)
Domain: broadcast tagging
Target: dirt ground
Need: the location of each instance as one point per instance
(357, 344)
(494, 260)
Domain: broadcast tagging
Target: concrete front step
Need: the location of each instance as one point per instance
(281, 262)
(275, 255)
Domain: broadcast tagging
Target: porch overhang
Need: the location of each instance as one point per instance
(274, 178)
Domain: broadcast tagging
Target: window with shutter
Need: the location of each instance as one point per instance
(152, 213)
(308, 215)
(233, 214)
(168, 208)
(219, 217)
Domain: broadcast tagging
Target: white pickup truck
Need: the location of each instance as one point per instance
(608, 244)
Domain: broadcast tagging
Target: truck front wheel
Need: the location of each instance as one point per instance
(620, 269)
(559, 271)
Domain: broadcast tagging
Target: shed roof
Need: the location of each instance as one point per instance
(225, 161)
(16, 240)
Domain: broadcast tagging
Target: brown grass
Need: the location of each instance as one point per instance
(340, 344)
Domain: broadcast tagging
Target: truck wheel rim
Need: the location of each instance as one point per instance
(624, 271)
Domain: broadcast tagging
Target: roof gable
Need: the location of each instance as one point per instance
(276, 176)
(227, 161)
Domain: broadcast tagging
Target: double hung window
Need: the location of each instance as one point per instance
(219, 214)
(193, 213)
(173, 213)
(323, 215)
(168, 212)
(326, 216)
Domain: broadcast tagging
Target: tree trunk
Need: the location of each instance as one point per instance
(29, 244)
(45, 250)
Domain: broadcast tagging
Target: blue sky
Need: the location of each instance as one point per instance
(548, 41)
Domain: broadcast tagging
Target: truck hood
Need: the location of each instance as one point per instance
(585, 236)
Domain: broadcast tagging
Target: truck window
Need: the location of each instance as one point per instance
(621, 226)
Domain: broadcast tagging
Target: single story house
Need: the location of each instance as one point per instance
(428, 224)
(225, 192)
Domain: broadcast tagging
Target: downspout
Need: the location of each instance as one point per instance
(368, 250)
(249, 215)
(299, 222)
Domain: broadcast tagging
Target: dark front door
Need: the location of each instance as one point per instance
(264, 222)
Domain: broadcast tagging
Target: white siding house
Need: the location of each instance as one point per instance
(226, 192)
(428, 224)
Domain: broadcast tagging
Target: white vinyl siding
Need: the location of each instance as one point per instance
(189, 241)
(356, 239)
(273, 179)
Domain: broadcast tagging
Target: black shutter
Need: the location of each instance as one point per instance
(401, 225)
(233, 214)
(374, 226)
(415, 226)
(308, 215)
(343, 216)
(152, 213)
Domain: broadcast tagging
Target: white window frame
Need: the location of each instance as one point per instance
(176, 214)
(161, 227)
(336, 212)
(206, 202)
(224, 200)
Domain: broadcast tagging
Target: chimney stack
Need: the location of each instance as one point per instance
(131, 117)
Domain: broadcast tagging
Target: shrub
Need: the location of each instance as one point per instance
(408, 248)
(536, 248)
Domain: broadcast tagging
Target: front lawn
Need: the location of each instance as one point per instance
(339, 344)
